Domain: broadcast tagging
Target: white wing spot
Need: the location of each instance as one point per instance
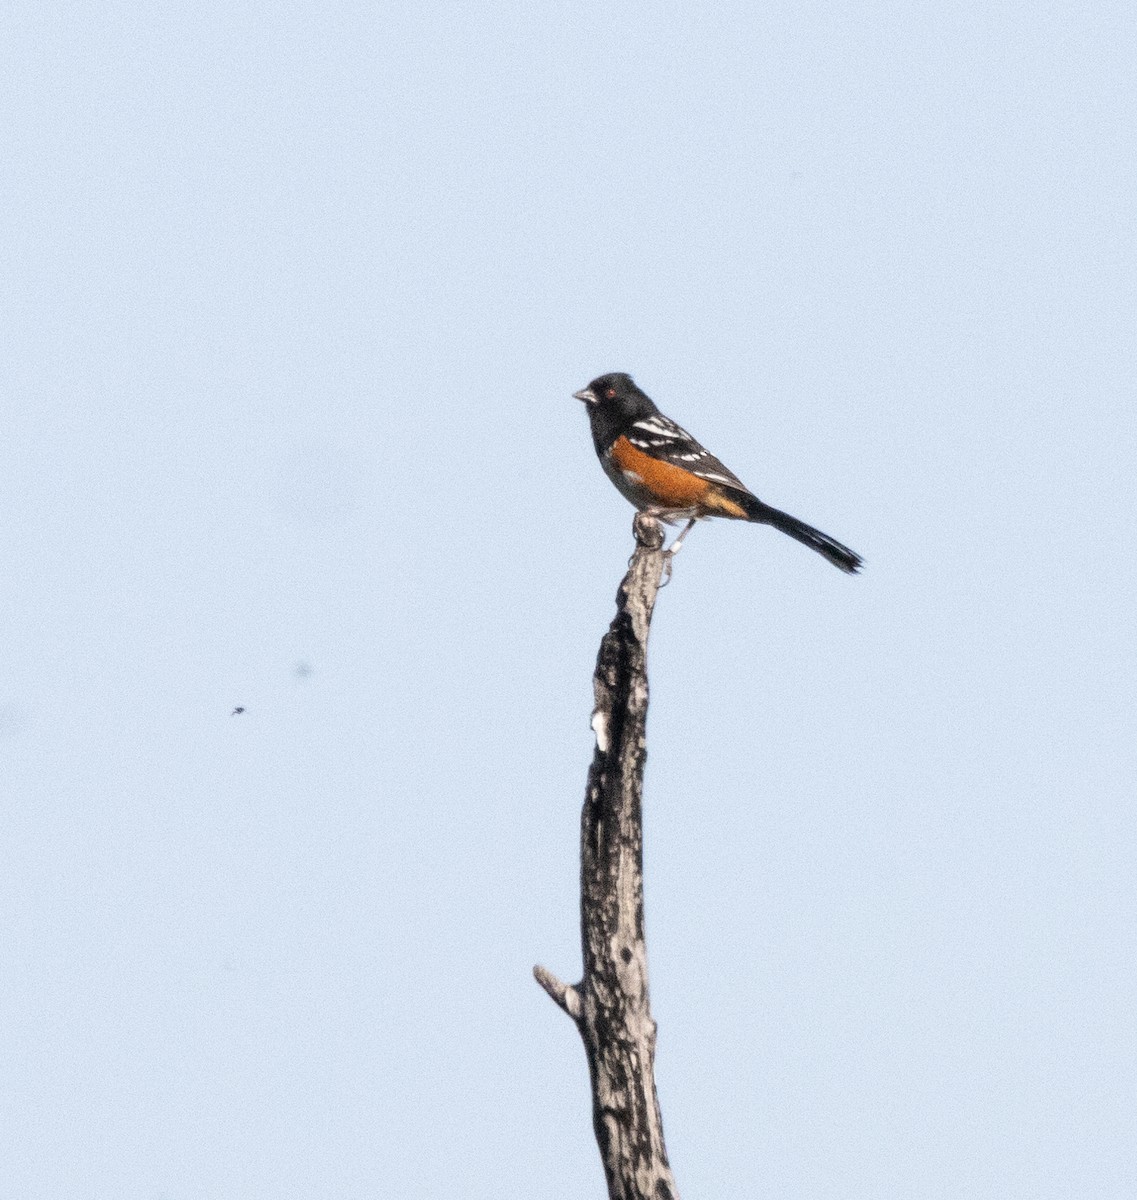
(659, 424)
(714, 477)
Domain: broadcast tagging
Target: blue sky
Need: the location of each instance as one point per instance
(295, 298)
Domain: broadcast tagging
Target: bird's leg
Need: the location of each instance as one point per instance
(653, 514)
(677, 545)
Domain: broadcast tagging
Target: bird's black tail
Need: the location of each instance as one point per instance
(840, 556)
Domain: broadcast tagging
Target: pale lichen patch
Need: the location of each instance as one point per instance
(600, 728)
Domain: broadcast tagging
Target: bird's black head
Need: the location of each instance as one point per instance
(614, 403)
(615, 391)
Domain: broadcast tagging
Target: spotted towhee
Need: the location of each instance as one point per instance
(662, 470)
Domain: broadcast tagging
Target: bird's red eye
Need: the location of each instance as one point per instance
(611, 393)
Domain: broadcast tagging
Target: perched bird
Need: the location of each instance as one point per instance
(663, 471)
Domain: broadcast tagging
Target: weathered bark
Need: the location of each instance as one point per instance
(610, 1004)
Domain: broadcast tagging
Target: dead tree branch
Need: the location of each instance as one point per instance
(610, 1004)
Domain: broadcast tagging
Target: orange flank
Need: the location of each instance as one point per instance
(679, 488)
(722, 506)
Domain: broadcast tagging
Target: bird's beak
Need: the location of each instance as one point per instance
(585, 394)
